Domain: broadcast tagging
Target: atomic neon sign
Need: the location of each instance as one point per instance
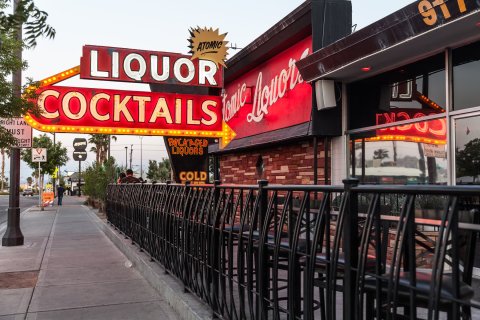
(120, 112)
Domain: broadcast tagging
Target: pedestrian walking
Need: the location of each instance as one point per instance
(60, 192)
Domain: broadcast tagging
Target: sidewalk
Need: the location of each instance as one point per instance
(69, 269)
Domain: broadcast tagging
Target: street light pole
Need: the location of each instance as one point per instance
(126, 155)
(131, 151)
(13, 235)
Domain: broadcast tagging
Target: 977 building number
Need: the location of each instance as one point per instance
(431, 9)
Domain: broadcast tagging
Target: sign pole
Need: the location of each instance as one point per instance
(13, 235)
(39, 188)
(79, 177)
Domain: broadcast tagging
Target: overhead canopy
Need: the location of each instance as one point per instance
(398, 39)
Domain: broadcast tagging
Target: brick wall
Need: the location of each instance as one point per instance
(286, 164)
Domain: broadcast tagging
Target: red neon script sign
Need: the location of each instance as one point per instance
(130, 65)
(271, 96)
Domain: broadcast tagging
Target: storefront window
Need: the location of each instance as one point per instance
(408, 154)
(466, 69)
(418, 89)
(467, 150)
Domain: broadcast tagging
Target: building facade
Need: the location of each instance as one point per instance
(273, 110)
(411, 103)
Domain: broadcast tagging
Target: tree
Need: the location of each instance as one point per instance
(56, 155)
(159, 171)
(468, 160)
(380, 154)
(35, 26)
(29, 181)
(97, 177)
(101, 142)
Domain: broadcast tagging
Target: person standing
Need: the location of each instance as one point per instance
(130, 178)
(60, 192)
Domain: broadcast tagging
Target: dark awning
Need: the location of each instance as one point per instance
(297, 132)
(393, 41)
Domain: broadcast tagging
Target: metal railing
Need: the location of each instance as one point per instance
(310, 252)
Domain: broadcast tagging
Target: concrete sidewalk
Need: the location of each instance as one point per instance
(69, 269)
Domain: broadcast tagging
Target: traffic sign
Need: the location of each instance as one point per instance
(39, 155)
(79, 155)
(20, 130)
(80, 144)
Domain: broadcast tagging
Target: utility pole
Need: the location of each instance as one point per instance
(131, 152)
(13, 235)
(109, 140)
(54, 179)
(141, 157)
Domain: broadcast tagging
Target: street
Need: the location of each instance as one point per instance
(25, 203)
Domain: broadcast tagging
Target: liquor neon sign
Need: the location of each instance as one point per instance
(130, 65)
(86, 110)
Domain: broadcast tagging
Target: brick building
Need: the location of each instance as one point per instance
(281, 134)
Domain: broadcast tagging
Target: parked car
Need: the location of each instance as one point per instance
(27, 192)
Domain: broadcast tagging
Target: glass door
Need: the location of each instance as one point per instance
(467, 149)
(467, 157)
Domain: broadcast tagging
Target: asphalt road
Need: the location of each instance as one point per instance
(25, 203)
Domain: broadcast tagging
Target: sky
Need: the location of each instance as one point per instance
(159, 26)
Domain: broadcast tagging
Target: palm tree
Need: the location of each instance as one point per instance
(380, 154)
(101, 142)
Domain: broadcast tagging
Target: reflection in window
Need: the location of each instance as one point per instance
(409, 154)
(466, 68)
(418, 89)
(260, 167)
(467, 150)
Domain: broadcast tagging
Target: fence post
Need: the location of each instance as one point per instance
(350, 248)
(166, 227)
(262, 270)
(215, 248)
(184, 237)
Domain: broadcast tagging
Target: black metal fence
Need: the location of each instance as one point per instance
(311, 252)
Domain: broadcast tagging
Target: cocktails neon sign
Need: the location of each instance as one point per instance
(432, 131)
(82, 110)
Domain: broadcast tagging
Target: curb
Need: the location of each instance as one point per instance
(186, 305)
(3, 225)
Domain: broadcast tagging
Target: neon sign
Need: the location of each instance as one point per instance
(86, 110)
(271, 96)
(129, 65)
(432, 131)
(82, 110)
